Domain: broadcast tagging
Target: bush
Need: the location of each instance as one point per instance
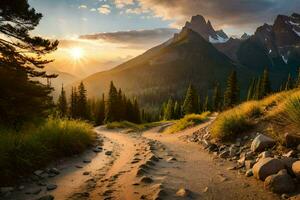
(229, 124)
(291, 111)
(28, 150)
(187, 121)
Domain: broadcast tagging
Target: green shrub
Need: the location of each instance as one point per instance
(229, 124)
(291, 111)
(187, 121)
(25, 151)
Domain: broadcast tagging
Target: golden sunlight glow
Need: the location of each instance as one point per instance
(76, 53)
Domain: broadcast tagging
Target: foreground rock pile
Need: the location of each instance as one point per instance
(256, 155)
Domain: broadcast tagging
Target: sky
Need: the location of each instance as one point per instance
(97, 35)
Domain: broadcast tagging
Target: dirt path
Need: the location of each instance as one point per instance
(200, 173)
(149, 166)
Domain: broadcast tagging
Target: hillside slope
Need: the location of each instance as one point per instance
(166, 70)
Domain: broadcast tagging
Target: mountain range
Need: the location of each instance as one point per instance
(201, 55)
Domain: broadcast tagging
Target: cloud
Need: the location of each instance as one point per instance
(93, 9)
(136, 11)
(82, 6)
(134, 38)
(104, 9)
(223, 13)
(123, 3)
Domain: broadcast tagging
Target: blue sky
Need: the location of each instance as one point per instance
(76, 17)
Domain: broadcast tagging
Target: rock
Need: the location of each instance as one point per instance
(108, 153)
(86, 160)
(288, 163)
(97, 149)
(86, 173)
(171, 159)
(150, 163)
(296, 168)
(5, 190)
(224, 154)
(232, 150)
(21, 187)
(183, 192)
(51, 187)
(249, 164)
(238, 142)
(146, 179)
(292, 140)
(290, 154)
(141, 172)
(265, 154)
(154, 158)
(249, 173)
(266, 167)
(285, 196)
(280, 183)
(205, 189)
(54, 171)
(297, 197)
(213, 148)
(34, 191)
(38, 172)
(47, 197)
(298, 148)
(262, 142)
(78, 166)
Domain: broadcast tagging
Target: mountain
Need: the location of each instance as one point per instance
(245, 36)
(167, 70)
(276, 47)
(206, 30)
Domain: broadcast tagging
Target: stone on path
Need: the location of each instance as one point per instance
(47, 197)
(262, 142)
(51, 187)
(182, 192)
(280, 183)
(296, 168)
(266, 167)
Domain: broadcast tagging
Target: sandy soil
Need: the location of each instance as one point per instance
(148, 165)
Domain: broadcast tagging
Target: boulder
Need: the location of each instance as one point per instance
(182, 192)
(224, 154)
(290, 154)
(249, 173)
(265, 154)
(249, 164)
(288, 163)
(292, 140)
(280, 183)
(266, 167)
(262, 142)
(296, 168)
(51, 187)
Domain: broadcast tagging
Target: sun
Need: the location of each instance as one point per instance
(76, 53)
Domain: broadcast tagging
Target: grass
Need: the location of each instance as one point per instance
(23, 152)
(132, 126)
(274, 112)
(187, 121)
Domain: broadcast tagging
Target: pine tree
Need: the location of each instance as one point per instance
(169, 112)
(62, 103)
(217, 98)
(231, 95)
(251, 90)
(22, 59)
(73, 105)
(100, 111)
(82, 107)
(190, 104)
(298, 79)
(206, 106)
(136, 112)
(111, 113)
(289, 83)
(265, 84)
(177, 110)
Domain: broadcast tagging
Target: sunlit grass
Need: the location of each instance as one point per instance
(25, 151)
(280, 107)
(187, 121)
(131, 126)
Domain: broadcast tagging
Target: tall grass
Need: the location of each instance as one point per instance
(131, 126)
(187, 121)
(278, 109)
(28, 150)
(291, 111)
